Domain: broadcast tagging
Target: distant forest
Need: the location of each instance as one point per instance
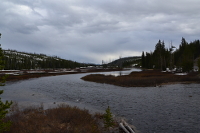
(125, 62)
(15, 60)
(162, 57)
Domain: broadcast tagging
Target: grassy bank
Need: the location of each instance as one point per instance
(144, 78)
(63, 119)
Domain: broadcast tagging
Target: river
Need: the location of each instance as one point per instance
(167, 109)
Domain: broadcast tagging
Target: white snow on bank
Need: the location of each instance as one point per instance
(8, 70)
(35, 71)
(180, 73)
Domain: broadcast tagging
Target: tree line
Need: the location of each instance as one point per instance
(162, 57)
(15, 60)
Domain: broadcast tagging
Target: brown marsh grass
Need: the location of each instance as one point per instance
(143, 79)
(63, 119)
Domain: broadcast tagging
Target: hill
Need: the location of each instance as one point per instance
(126, 61)
(15, 60)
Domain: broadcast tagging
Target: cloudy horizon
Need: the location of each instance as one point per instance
(90, 31)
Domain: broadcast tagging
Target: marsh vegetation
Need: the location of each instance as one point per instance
(144, 79)
(62, 119)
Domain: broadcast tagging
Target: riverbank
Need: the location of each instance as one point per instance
(148, 78)
(16, 75)
(61, 118)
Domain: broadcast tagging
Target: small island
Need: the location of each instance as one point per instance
(146, 78)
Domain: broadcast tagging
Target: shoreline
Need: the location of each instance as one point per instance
(26, 74)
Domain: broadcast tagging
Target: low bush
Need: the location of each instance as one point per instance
(63, 119)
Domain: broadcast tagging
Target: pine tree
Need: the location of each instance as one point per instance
(4, 106)
(198, 64)
(143, 60)
(108, 119)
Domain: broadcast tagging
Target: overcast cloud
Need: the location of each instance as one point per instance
(96, 30)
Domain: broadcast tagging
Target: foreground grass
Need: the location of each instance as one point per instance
(143, 79)
(63, 119)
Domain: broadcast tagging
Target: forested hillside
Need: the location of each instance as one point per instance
(15, 60)
(182, 57)
(126, 61)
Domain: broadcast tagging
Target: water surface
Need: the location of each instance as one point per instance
(167, 109)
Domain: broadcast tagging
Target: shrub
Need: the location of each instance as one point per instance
(62, 119)
(108, 119)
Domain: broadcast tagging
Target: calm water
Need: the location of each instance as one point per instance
(166, 109)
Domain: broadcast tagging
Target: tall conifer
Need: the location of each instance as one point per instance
(4, 106)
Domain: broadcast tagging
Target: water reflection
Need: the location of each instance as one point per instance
(118, 73)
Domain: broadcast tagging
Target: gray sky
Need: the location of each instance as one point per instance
(96, 30)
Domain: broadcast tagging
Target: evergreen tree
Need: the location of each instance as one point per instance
(108, 119)
(4, 106)
(143, 60)
(198, 64)
(159, 54)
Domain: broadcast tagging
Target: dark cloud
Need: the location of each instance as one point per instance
(96, 30)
